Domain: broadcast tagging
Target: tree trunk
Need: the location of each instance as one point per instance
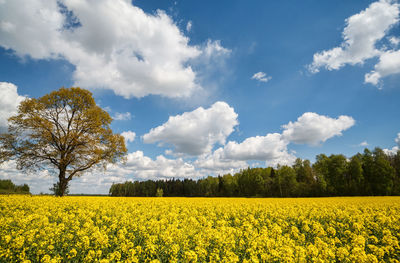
(62, 184)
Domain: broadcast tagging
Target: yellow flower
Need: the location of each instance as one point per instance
(104, 229)
(7, 238)
(72, 253)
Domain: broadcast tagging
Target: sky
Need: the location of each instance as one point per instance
(201, 88)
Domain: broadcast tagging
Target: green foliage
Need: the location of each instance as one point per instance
(159, 192)
(355, 179)
(58, 191)
(8, 187)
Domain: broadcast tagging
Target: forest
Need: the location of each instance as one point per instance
(372, 173)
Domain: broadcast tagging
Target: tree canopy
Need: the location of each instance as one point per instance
(64, 132)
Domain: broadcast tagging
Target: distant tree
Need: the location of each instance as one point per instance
(229, 185)
(63, 131)
(396, 166)
(337, 169)
(8, 187)
(159, 192)
(7, 184)
(304, 177)
(267, 181)
(286, 177)
(321, 169)
(383, 173)
(24, 188)
(355, 179)
(149, 188)
(56, 190)
(368, 167)
(189, 187)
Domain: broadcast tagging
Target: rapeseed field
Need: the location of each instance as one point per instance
(106, 229)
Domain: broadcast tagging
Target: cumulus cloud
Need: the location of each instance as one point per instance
(143, 167)
(112, 44)
(196, 132)
(363, 144)
(310, 128)
(392, 151)
(261, 76)
(217, 163)
(313, 129)
(129, 136)
(9, 101)
(191, 134)
(362, 33)
(119, 116)
(389, 63)
(360, 36)
(270, 148)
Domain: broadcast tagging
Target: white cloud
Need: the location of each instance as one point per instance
(9, 101)
(196, 132)
(270, 148)
(112, 44)
(389, 63)
(119, 116)
(216, 163)
(98, 182)
(129, 136)
(261, 76)
(30, 28)
(394, 40)
(189, 26)
(392, 151)
(142, 167)
(362, 32)
(395, 149)
(311, 128)
(214, 49)
(363, 144)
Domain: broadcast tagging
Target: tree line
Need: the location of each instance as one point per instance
(368, 174)
(8, 187)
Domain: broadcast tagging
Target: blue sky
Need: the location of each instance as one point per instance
(204, 88)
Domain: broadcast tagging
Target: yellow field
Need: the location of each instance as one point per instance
(86, 229)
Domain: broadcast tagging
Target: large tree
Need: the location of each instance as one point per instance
(64, 132)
